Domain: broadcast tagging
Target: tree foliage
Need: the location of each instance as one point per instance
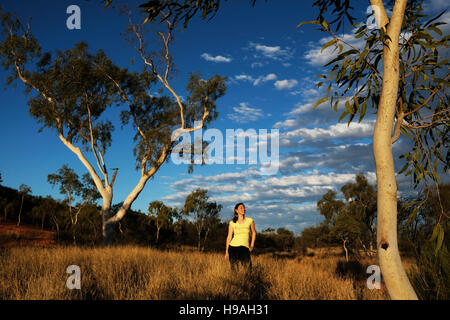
(68, 181)
(351, 221)
(177, 11)
(206, 213)
(162, 215)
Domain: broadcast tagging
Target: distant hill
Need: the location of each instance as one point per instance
(12, 235)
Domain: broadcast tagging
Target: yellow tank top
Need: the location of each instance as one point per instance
(241, 233)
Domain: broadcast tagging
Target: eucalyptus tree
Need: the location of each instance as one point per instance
(206, 213)
(24, 190)
(409, 89)
(69, 185)
(351, 220)
(74, 90)
(162, 215)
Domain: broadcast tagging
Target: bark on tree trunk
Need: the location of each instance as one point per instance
(204, 240)
(107, 224)
(157, 234)
(394, 275)
(346, 250)
(72, 219)
(57, 227)
(20, 212)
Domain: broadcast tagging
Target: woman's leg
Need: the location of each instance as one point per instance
(233, 256)
(244, 257)
(247, 259)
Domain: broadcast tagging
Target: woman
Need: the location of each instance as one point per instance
(237, 247)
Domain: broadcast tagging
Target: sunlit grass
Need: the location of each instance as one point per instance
(141, 273)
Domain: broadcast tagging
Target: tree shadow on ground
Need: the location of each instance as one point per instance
(352, 269)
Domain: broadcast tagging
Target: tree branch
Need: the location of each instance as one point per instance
(149, 62)
(93, 144)
(380, 14)
(398, 124)
(435, 91)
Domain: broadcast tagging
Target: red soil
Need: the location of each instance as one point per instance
(12, 235)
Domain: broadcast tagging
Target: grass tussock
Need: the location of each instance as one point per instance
(142, 273)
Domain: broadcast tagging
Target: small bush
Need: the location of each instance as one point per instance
(431, 277)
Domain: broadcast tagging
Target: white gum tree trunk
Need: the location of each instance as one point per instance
(392, 270)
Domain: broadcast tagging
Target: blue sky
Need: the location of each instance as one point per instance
(271, 66)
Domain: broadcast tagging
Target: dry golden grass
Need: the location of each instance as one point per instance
(141, 273)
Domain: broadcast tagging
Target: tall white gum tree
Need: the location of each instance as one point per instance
(74, 89)
(409, 91)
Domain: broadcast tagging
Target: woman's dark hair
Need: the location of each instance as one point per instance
(236, 216)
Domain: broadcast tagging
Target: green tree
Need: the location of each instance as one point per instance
(329, 207)
(24, 191)
(351, 222)
(348, 229)
(206, 214)
(69, 185)
(430, 276)
(285, 239)
(162, 215)
(44, 210)
(409, 88)
(74, 89)
(361, 200)
(315, 236)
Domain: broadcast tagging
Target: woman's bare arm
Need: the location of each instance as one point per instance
(229, 237)
(253, 235)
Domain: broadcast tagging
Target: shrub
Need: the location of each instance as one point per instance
(431, 277)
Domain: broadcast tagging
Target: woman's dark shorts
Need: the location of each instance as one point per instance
(239, 254)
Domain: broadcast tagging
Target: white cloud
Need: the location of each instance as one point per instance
(314, 179)
(269, 77)
(285, 84)
(256, 81)
(244, 113)
(340, 130)
(288, 123)
(209, 57)
(272, 52)
(244, 77)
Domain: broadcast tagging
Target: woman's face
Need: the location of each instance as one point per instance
(241, 209)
